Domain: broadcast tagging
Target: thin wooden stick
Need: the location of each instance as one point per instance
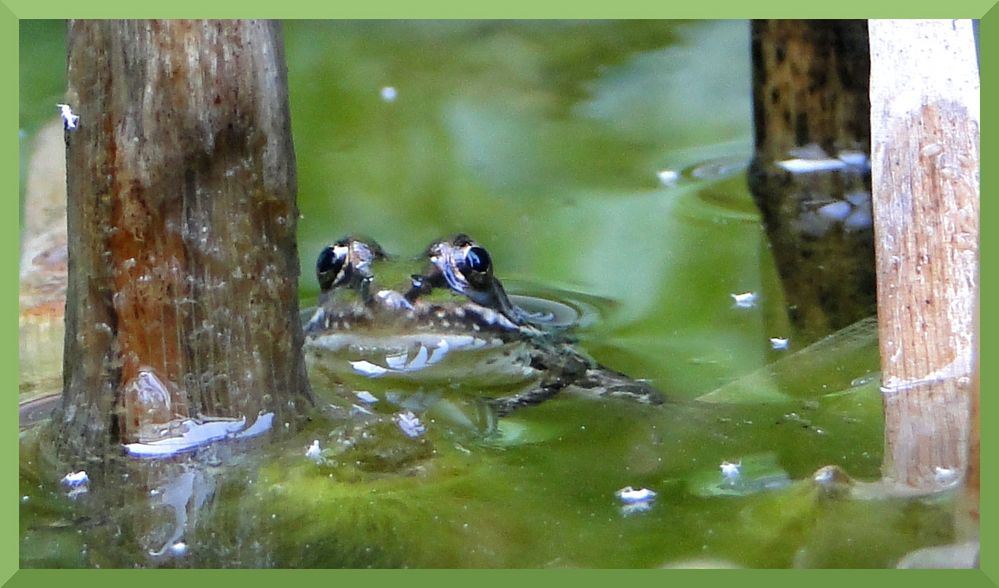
(925, 175)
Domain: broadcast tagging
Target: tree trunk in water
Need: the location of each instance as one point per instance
(810, 176)
(182, 296)
(925, 131)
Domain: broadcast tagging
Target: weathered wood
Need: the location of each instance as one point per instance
(925, 163)
(182, 258)
(968, 507)
(810, 102)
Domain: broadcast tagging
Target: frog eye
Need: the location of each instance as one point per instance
(330, 265)
(477, 259)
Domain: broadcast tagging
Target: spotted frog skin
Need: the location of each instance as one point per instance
(455, 306)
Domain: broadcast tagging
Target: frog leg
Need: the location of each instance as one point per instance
(607, 383)
(530, 396)
(567, 369)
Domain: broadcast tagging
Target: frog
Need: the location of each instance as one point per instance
(455, 306)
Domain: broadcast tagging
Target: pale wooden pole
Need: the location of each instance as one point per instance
(925, 176)
(182, 295)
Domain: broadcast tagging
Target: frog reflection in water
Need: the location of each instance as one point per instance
(409, 332)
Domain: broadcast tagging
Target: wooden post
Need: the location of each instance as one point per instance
(968, 507)
(925, 166)
(182, 295)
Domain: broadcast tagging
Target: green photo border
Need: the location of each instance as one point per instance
(13, 10)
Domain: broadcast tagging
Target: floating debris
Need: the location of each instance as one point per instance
(69, 120)
(313, 452)
(779, 343)
(410, 424)
(668, 177)
(629, 495)
(77, 483)
(366, 397)
(945, 476)
(744, 300)
(731, 471)
(751, 474)
(635, 501)
(74, 479)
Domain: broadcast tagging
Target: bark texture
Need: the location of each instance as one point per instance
(925, 133)
(182, 296)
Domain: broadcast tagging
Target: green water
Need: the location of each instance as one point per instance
(543, 140)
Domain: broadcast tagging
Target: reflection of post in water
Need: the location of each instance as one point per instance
(182, 295)
(810, 176)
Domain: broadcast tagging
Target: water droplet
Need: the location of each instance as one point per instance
(744, 300)
(668, 177)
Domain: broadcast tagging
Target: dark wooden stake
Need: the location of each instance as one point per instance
(925, 164)
(182, 296)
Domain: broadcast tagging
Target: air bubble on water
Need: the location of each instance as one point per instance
(779, 343)
(314, 452)
(945, 475)
(629, 495)
(744, 300)
(730, 470)
(668, 177)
